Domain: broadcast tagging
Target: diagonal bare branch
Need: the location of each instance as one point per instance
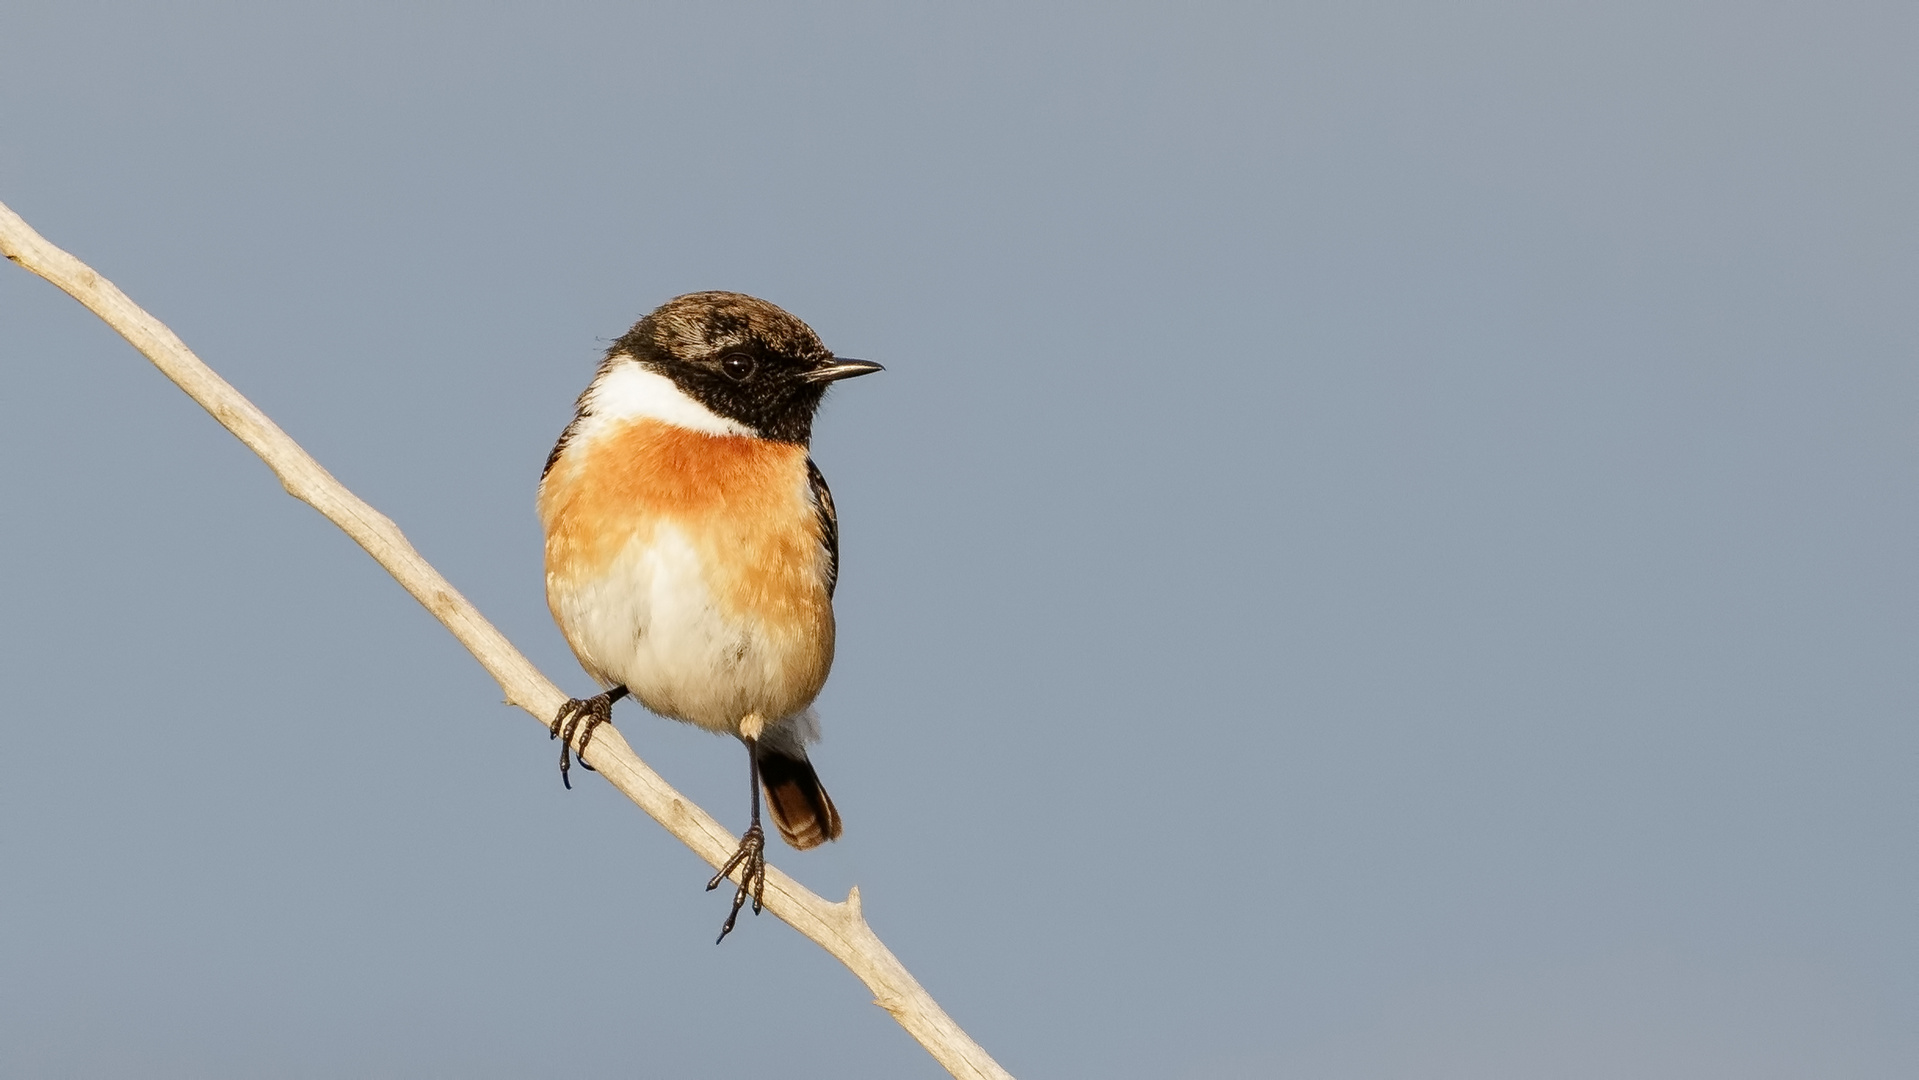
(839, 928)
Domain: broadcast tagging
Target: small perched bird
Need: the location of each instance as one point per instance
(692, 547)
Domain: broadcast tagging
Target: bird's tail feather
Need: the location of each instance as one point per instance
(800, 806)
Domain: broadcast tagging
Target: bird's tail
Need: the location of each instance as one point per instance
(800, 806)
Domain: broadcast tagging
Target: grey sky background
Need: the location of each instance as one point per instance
(1384, 549)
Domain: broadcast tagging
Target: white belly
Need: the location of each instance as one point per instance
(651, 623)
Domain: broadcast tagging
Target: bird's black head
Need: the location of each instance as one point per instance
(741, 357)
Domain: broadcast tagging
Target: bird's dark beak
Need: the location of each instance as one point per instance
(841, 368)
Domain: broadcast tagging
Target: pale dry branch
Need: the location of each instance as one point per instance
(838, 928)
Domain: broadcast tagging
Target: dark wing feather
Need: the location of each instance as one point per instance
(829, 524)
(559, 448)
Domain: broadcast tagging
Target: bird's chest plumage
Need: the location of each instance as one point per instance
(691, 569)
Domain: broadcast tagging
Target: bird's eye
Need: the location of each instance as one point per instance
(739, 367)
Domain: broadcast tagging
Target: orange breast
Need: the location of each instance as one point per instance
(742, 502)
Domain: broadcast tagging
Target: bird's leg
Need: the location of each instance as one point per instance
(750, 858)
(577, 718)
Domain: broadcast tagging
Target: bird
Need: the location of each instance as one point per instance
(692, 548)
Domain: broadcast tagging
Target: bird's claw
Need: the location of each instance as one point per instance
(750, 859)
(576, 720)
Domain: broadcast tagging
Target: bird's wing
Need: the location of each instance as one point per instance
(829, 523)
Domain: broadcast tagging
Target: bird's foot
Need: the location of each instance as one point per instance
(576, 720)
(750, 860)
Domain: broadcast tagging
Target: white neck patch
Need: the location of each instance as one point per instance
(630, 391)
